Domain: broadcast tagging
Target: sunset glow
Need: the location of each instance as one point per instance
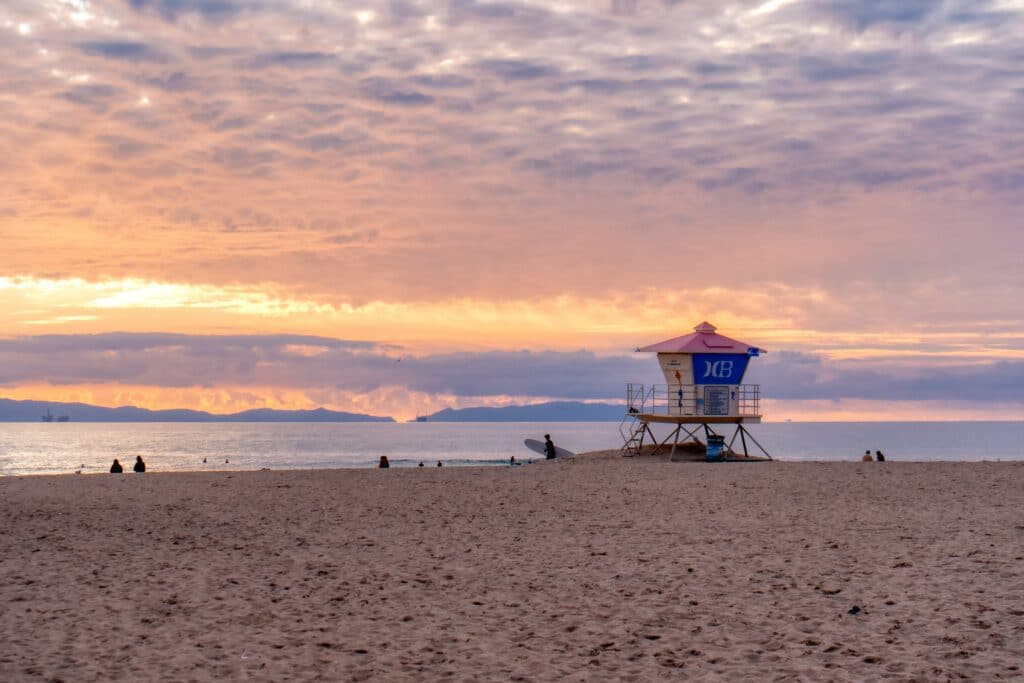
(398, 207)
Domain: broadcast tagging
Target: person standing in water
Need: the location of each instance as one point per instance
(116, 467)
(384, 464)
(139, 465)
(549, 448)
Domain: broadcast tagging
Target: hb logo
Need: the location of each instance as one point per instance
(719, 369)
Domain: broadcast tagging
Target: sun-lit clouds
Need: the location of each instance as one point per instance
(770, 6)
(212, 399)
(61, 320)
(438, 324)
(398, 402)
(773, 315)
(75, 293)
(841, 178)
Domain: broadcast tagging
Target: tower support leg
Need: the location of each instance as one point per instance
(675, 442)
(733, 439)
(744, 434)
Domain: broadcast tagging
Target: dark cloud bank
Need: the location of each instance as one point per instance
(308, 362)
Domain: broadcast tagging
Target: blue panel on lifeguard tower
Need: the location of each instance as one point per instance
(719, 368)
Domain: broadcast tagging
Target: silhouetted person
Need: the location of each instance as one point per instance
(204, 461)
(549, 447)
(384, 464)
(512, 461)
(139, 465)
(116, 467)
(439, 463)
(879, 456)
(867, 457)
(421, 463)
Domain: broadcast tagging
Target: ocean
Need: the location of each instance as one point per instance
(40, 448)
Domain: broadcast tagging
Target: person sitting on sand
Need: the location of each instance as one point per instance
(116, 467)
(549, 447)
(879, 456)
(139, 465)
(867, 457)
(384, 464)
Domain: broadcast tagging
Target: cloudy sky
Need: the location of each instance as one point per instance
(223, 204)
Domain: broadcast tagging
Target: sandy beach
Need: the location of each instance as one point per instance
(588, 569)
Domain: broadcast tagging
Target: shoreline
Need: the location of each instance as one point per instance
(591, 456)
(35, 450)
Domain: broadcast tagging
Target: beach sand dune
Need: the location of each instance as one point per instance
(586, 569)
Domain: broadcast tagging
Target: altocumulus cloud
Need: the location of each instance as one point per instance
(864, 86)
(845, 136)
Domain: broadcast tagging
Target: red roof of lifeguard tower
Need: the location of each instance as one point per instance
(703, 339)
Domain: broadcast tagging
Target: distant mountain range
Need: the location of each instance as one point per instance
(556, 411)
(32, 411)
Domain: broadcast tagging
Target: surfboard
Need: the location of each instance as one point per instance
(538, 447)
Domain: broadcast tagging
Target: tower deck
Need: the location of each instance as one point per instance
(696, 419)
(692, 408)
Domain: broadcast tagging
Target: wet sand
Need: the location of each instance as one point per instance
(590, 569)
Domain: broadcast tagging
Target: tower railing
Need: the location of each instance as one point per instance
(736, 400)
(635, 395)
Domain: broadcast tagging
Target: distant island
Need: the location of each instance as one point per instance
(555, 411)
(36, 411)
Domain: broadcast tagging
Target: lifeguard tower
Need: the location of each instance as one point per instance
(703, 388)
